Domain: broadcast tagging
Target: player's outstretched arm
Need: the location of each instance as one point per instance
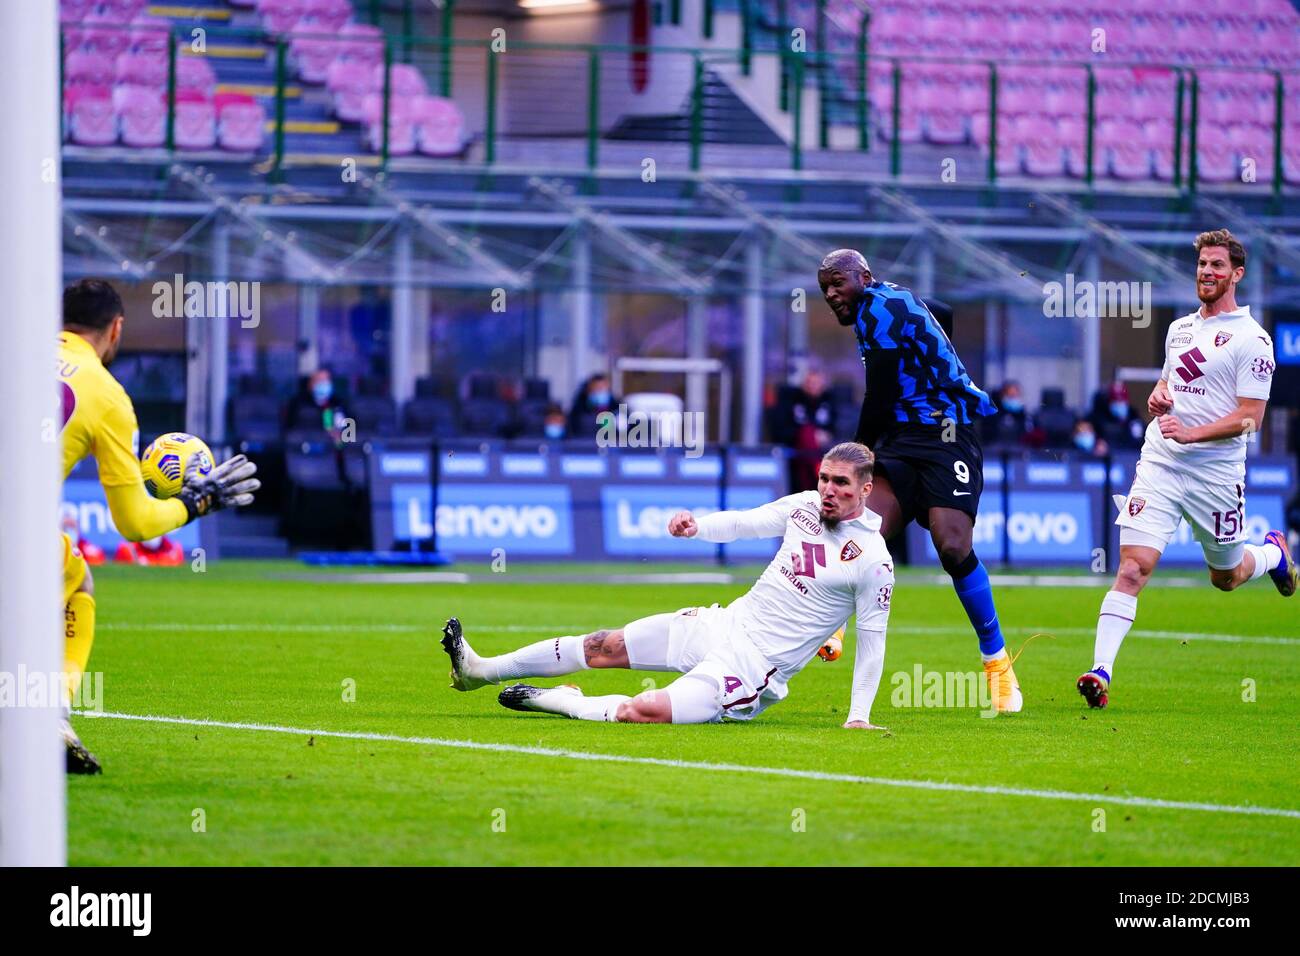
(139, 516)
(868, 664)
(230, 484)
(766, 521)
(875, 591)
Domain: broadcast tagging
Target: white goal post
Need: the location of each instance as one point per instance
(32, 828)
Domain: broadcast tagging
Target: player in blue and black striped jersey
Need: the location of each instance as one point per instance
(919, 417)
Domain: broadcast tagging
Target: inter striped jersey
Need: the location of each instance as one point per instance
(932, 385)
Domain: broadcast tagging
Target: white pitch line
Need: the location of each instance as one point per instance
(720, 767)
(300, 628)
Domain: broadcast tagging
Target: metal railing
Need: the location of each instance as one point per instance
(560, 95)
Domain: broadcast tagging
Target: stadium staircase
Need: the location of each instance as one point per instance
(248, 67)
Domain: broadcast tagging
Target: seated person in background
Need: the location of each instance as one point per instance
(593, 397)
(1114, 420)
(317, 407)
(1010, 425)
(555, 425)
(161, 552)
(1085, 440)
(804, 421)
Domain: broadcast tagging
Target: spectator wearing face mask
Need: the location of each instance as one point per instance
(1010, 425)
(1114, 420)
(1085, 440)
(317, 407)
(555, 426)
(594, 396)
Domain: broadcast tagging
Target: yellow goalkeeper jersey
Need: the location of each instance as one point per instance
(98, 420)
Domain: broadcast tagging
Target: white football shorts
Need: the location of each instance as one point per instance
(704, 643)
(1215, 510)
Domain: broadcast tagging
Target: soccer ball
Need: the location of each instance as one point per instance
(164, 462)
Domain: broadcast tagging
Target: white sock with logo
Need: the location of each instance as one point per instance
(1118, 611)
(549, 658)
(1267, 557)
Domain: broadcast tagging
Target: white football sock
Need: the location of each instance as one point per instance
(993, 657)
(1267, 557)
(1118, 611)
(581, 708)
(549, 658)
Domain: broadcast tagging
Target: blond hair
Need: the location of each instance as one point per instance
(852, 453)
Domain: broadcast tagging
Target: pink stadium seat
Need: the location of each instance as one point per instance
(909, 122)
(141, 116)
(104, 33)
(142, 69)
(372, 107)
(241, 126)
(73, 11)
(364, 43)
(1009, 160)
(149, 35)
(195, 126)
(406, 80)
(92, 121)
(1072, 134)
(325, 16)
(280, 16)
(221, 100)
(1122, 142)
(440, 128)
(82, 68)
(945, 126)
(1254, 143)
(349, 82)
(1291, 162)
(195, 73)
(123, 11)
(1043, 155)
(1059, 101)
(401, 136)
(315, 55)
(1216, 160)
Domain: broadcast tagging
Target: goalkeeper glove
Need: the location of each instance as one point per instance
(230, 483)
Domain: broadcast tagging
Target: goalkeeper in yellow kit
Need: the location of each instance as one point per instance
(98, 420)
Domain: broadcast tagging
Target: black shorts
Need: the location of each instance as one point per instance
(927, 472)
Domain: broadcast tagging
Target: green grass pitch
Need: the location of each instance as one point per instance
(241, 643)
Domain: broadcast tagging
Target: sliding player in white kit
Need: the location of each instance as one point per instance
(1211, 396)
(736, 660)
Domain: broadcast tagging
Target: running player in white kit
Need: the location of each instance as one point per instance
(1211, 396)
(737, 660)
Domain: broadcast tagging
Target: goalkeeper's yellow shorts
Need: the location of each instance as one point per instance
(74, 568)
